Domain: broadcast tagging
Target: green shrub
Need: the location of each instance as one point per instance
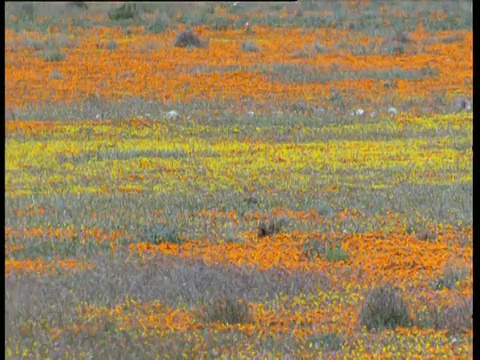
(187, 38)
(426, 235)
(162, 233)
(451, 275)
(321, 49)
(221, 23)
(77, 5)
(336, 254)
(126, 11)
(273, 226)
(328, 341)
(250, 46)
(395, 48)
(313, 248)
(55, 75)
(160, 24)
(226, 310)
(54, 55)
(384, 308)
(453, 318)
(111, 45)
(27, 11)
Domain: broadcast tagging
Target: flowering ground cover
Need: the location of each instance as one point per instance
(293, 183)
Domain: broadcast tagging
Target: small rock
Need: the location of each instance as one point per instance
(389, 84)
(462, 104)
(391, 110)
(301, 106)
(253, 199)
(171, 114)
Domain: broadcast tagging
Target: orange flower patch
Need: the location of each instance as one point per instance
(147, 316)
(169, 73)
(372, 257)
(40, 267)
(37, 127)
(334, 317)
(400, 258)
(30, 127)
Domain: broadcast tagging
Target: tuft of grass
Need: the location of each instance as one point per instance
(111, 45)
(124, 12)
(313, 248)
(426, 235)
(77, 5)
(453, 318)
(398, 37)
(443, 40)
(321, 49)
(395, 48)
(56, 75)
(187, 38)
(301, 54)
(462, 104)
(54, 55)
(162, 233)
(299, 107)
(226, 310)
(451, 275)
(328, 248)
(221, 23)
(160, 24)
(384, 308)
(253, 200)
(336, 254)
(329, 341)
(250, 46)
(27, 11)
(54, 42)
(271, 227)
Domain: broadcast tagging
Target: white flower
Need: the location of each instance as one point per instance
(171, 114)
(359, 112)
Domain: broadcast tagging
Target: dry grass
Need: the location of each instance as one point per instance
(253, 196)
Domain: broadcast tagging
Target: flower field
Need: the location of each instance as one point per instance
(294, 183)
